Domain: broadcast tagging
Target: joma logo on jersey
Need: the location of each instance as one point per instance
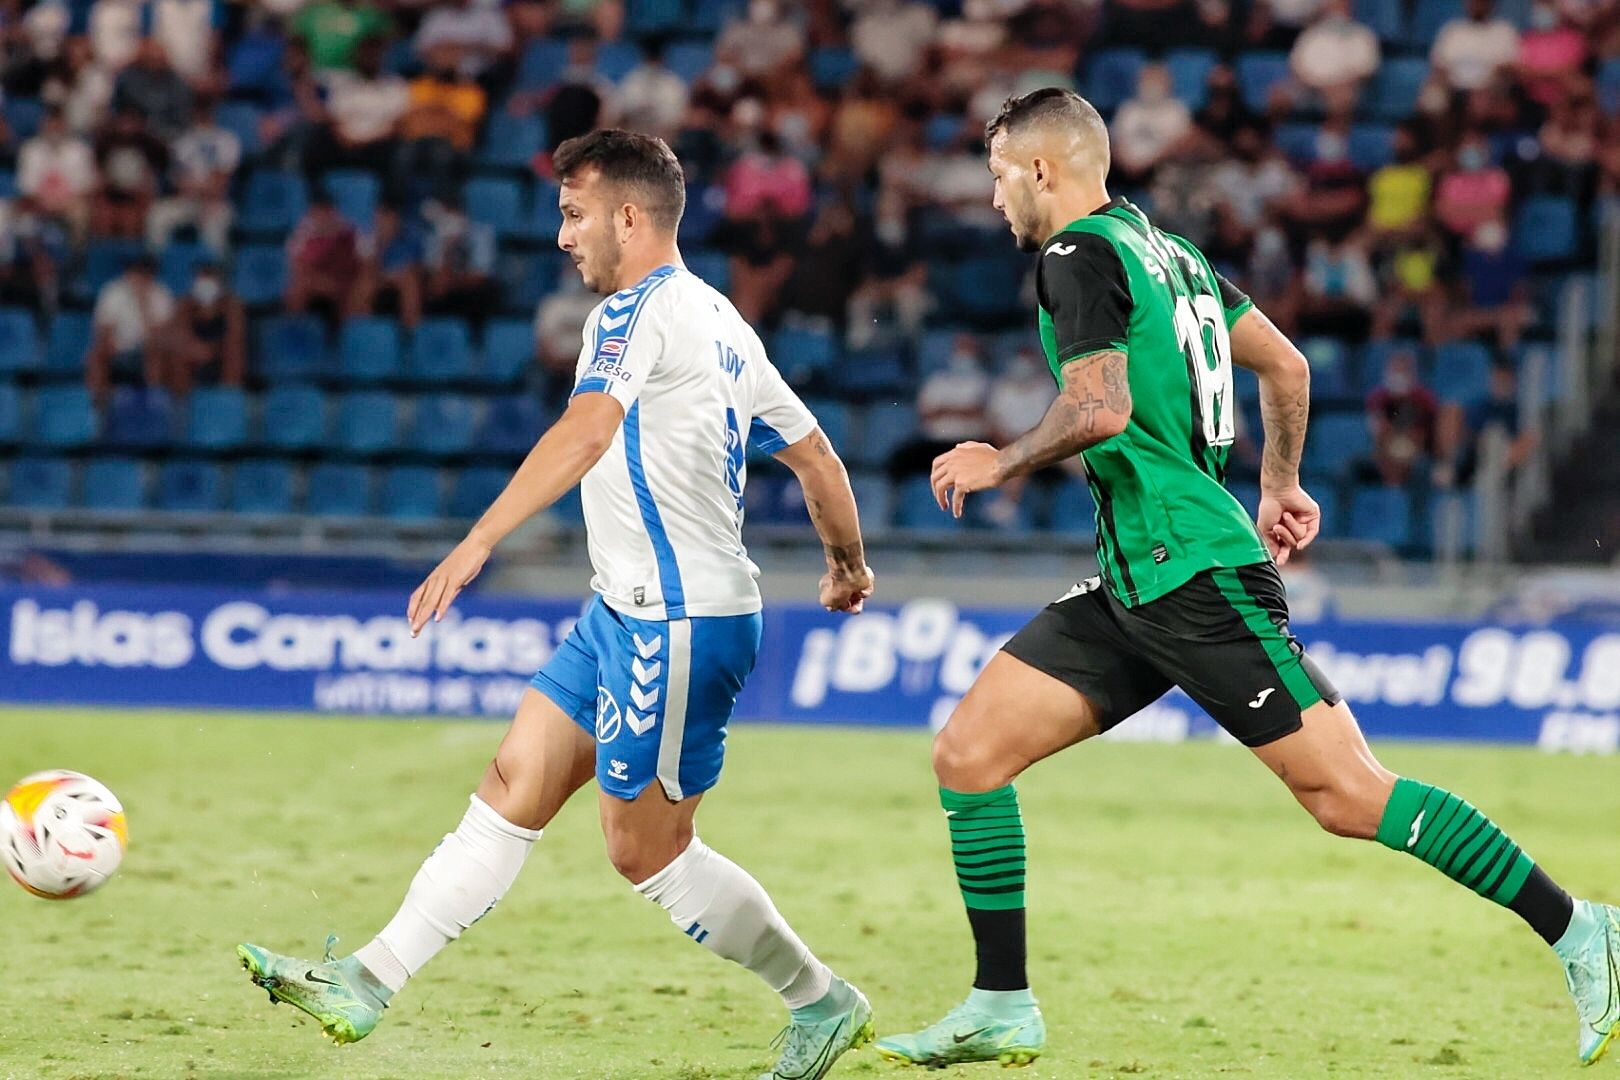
(1060, 249)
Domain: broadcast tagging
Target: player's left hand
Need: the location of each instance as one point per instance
(432, 598)
(972, 466)
(1288, 521)
(846, 590)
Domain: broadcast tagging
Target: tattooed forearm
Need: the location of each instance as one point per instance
(1284, 407)
(818, 443)
(846, 558)
(1095, 405)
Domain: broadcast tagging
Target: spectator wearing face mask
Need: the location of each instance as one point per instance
(1472, 48)
(1551, 55)
(1492, 294)
(132, 162)
(131, 310)
(894, 281)
(1473, 192)
(766, 41)
(950, 410)
(1019, 398)
(1147, 126)
(1335, 55)
(1398, 192)
(652, 98)
(56, 174)
(206, 340)
(1402, 418)
(439, 126)
(205, 159)
(1469, 426)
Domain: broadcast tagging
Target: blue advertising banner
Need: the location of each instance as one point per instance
(1556, 685)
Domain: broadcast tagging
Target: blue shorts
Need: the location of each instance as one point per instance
(657, 695)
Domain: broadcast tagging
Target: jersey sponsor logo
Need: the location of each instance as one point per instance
(611, 346)
(1061, 249)
(608, 717)
(1260, 698)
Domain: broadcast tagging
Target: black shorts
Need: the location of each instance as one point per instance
(1222, 637)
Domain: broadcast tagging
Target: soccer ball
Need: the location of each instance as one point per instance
(62, 834)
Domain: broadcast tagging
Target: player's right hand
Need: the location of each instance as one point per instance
(432, 598)
(847, 590)
(1288, 521)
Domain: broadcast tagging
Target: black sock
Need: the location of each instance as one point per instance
(1543, 905)
(998, 940)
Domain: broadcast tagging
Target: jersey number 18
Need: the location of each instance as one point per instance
(1201, 332)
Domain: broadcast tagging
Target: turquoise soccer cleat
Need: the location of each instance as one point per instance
(337, 993)
(1592, 969)
(820, 1034)
(971, 1033)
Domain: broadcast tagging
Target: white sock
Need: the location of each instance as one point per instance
(467, 873)
(716, 903)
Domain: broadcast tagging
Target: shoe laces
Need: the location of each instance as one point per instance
(327, 957)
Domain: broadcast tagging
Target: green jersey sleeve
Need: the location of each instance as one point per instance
(1082, 283)
(1233, 299)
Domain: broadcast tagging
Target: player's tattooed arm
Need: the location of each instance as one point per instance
(1285, 395)
(1094, 404)
(831, 503)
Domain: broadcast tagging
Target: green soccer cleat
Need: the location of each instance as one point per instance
(970, 1032)
(819, 1034)
(1592, 969)
(339, 994)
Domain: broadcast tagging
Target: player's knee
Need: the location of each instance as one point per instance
(1344, 812)
(638, 857)
(962, 764)
(513, 793)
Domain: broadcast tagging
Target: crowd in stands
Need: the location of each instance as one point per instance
(352, 201)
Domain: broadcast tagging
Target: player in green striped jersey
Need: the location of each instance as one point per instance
(1141, 335)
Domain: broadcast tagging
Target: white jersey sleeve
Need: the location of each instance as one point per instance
(623, 341)
(780, 417)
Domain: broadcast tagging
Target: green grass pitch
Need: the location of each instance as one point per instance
(1187, 920)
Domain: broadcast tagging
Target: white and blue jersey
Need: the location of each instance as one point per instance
(654, 666)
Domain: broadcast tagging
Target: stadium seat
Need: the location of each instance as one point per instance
(1608, 85)
(874, 496)
(1462, 371)
(1330, 366)
(20, 350)
(508, 351)
(11, 414)
(369, 351)
(705, 210)
(443, 425)
(113, 483)
(273, 202)
(542, 61)
(339, 490)
(179, 262)
(525, 281)
(196, 487)
(68, 343)
(1381, 514)
(871, 373)
(355, 194)
(832, 67)
(512, 424)
(1189, 74)
(835, 419)
(216, 419)
(915, 508)
(368, 423)
(23, 116)
(511, 142)
(262, 487)
(259, 277)
(1335, 441)
(647, 17)
(1375, 356)
(800, 353)
(882, 430)
(242, 119)
(41, 483)
(290, 347)
(105, 260)
(1247, 494)
(1383, 17)
(440, 352)
(1393, 91)
(472, 490)
(616, 59)
(691, 60)
(496, 201)
(987, 287)
(139, 419)
(63, 418)
(1297, 141)
(1546, 229)
(1111, 77)
(712, 267)
(711, 16)
(8, 184)
(411, 493)
(569, 509)
(1428, 16)
(544, 218)
(1071, 510)
(1258, 73)
(1372, 146)
(293, 418)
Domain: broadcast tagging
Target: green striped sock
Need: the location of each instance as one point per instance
(1445, 831)
(987, 844)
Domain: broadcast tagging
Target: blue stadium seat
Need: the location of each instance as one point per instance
(273, 202)
(1381, 514)
(1330, 366)
(496, 201)
(1546, 229)
(19, 342)
(1335, 441)
(511, 142)
(871, 373)
(883, 428)
(262, 487)
(1247, 494)
(1462, 371)
(1608, 85)
(441, 352)
(646, 17)
(525, 280)
(11, 414)
(800, 353)
(472, 490)
(832, 67)
(1189, 74)
(705, 210)
(113, 483)
(1297, 141)
(293, 418)
(874, 496)
(1428, 16)
(691, 60)
(23, 116)
(411, 493)
(1383, 17)
(41, 483)
(139, 419)
(68, 343)
(339, 490)
(512, 424)
(241, 119)
(368, 423)
(355, 194)
(569, 509)
(1372, 146)
(544, 217)
(1258, 73)
(915, 507)
(1111, 76)
(8, 184)
(987, 287)
(290, 347)
(64, 418)
(508, 353)
(259, 277)
(1071, 510)
(712, 267)
(542, 61)
(443, 425)
(216, 419)
(711, 16)
(616, 59)
(836, 420)
(196, 487)
(105, 260)
(179, 263)
(369, 351)
(1376, 355)
(1393, 92)
(942, 130)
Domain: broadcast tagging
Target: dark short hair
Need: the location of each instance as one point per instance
(643, 162)
(1049, 104)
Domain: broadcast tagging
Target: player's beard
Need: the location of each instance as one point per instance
(603, 264)
(1021, 215)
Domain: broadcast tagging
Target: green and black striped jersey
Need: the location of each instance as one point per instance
(1111, 281)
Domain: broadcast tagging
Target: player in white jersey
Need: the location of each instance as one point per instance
(672, 385)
